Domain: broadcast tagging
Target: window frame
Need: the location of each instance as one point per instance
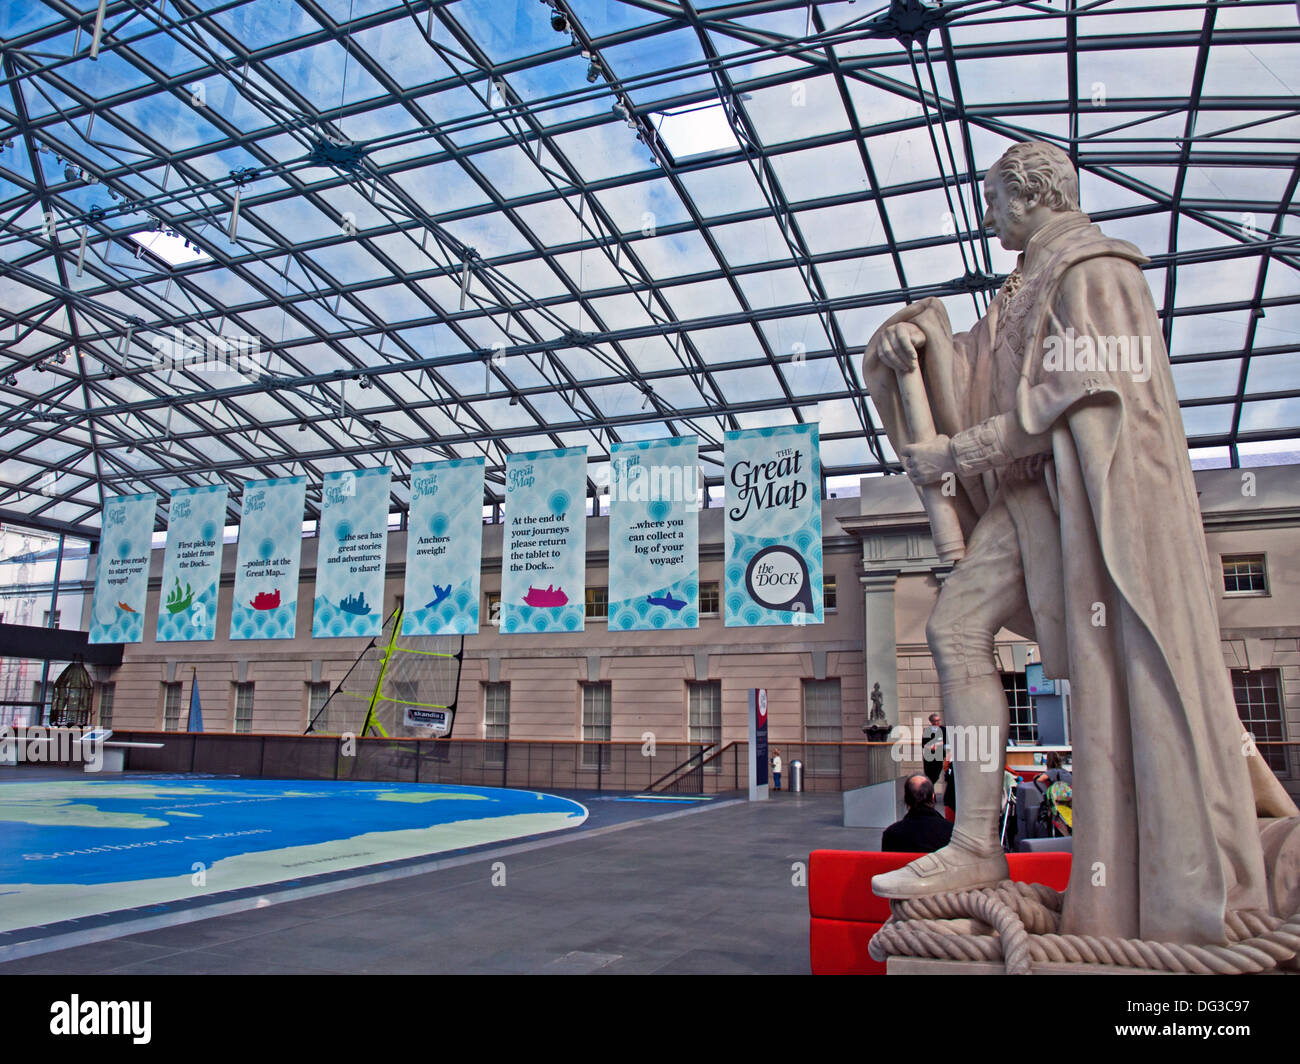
(175, 686)
(1277, 758)
(1251, 592)
(595, 758)
(820, 761)
(235, 718)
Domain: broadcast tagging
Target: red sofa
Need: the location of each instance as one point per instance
(845, 914)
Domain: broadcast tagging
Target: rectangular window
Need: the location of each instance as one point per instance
(829, 599)
(709, 599)
(171, 707)
(597, 716)
(597, 603)
(317, 695)
(492, 608)
(1259, 705)
(1245, 574)
(823, 722)
(243, 707)
(496, 720)
(107, 691)
(1024, 714)
(50, 620)
(496, 711)
(704, 715)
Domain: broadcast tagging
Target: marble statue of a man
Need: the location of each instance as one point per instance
(1063, 449)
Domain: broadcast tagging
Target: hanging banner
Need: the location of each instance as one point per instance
(774, 526)
(444, 548)
(187, 608)
(122, 574)
(544, 560)
(267, 561)
(353, 551)
(654, 523)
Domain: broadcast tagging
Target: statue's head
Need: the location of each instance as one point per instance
(1027, 186)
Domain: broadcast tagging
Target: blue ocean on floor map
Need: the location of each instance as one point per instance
(99, 832)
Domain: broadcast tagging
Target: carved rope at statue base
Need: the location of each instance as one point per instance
(1022, 921)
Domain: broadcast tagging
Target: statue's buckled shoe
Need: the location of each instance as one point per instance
(951, 868)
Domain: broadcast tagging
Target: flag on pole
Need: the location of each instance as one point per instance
(196, 710)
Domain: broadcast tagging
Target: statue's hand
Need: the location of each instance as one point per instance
(896, 346)
(927, 462)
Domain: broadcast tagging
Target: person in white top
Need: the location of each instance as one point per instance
(776, 768)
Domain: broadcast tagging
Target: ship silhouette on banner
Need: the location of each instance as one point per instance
(266, 600)
(552, 597)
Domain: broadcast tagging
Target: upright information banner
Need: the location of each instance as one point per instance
(266, 564)
(654, 522)
(544, 561)
(444, 548)
(352, 553)
(187, 610)
(122, 575)
(774, 526)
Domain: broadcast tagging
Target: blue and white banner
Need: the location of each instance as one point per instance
(544, 560)
(122, 573)
(187, 608)
(774, 526)
(268, 558)
(444, 548)
(352, 553)
(654, 521)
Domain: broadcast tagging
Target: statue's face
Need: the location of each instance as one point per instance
(1007, 214)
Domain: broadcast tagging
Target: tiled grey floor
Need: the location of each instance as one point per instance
(706, 893)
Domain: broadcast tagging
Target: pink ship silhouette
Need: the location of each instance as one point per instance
(552, 596)
(264, 600)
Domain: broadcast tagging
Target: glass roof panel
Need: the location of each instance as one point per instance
(267, 21)
(1269, 68)
(701, 299)
(722, 190)
(830, 170)
(1273, 373)
(507, 30)
(643, 206)
(609, 150)
(808, 108)
(326, 76)
(1207, 420)
(567, 76)
(640, 62)
(842, 228)
(674, 254)
(1207, 380)
(746, 243)
(1272, 416)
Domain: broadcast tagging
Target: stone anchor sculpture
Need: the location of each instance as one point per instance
(1050, 453)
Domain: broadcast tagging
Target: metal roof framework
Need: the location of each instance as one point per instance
(423, 230)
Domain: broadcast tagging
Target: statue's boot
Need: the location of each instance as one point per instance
(974, 857)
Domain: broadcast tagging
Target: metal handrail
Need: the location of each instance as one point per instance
(685, 765)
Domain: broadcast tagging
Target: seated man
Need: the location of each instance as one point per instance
(923, 829)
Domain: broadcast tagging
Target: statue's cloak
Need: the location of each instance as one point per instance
(1119, 586)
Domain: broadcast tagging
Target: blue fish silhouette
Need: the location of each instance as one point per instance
(439, 593)
(666, 599)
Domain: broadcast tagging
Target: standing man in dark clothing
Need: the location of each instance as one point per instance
(923, 829)
(932, 752)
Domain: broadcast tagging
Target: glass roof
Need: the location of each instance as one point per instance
(416, 229)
